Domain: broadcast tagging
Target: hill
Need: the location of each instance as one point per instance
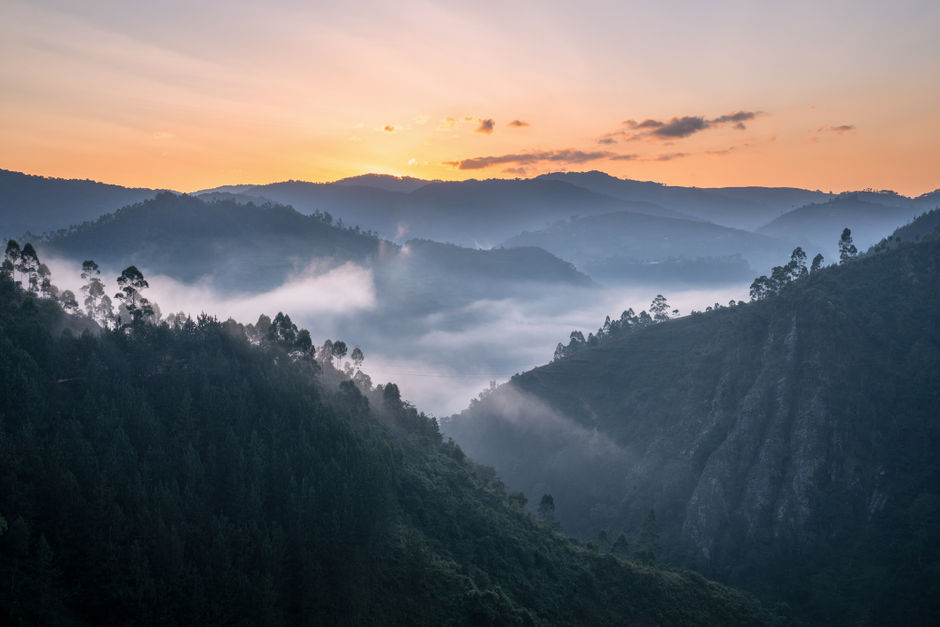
(38, 203)
(249, 248)
(736, 207)
(629, 247)
(818, 226)
(182, 475)
(469, 213)
(241, 247)
(788, 446)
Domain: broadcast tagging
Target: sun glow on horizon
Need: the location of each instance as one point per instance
(141, 97)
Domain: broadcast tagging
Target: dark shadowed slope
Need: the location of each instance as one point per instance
(38, 204)
(158, 475)
(789, 445)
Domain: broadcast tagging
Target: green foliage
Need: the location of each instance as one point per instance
(182, 475)
(788, 445)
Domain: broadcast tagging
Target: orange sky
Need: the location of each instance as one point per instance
(723, 93)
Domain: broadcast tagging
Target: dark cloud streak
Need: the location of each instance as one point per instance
(525, 158)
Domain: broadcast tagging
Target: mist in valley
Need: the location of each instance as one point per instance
(441, 357)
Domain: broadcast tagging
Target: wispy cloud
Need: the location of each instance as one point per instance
(518, 124)
(669, 156)
(677, 127)
(524, 158)
(842, 128)
(486, 126)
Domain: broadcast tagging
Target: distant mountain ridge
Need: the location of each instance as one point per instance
(39, 203)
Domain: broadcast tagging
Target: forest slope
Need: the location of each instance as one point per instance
(181, 475)
(788, 445)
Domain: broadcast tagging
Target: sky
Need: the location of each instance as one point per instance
(190, 95)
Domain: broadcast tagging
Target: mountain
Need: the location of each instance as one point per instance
(37, 203)
(629, 247)
(819, 226)
(385, 181)
(182, 475)
(788, 445)
(928, 201)
(737, 207)
(469, 213)
(250, 248)
(238, 246)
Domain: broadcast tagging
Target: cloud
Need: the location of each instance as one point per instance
(555, 156)
(447, 124)
(517, 171)
(842, 128)
(518, 124)
(389, 128)
(648, 123)
(607, 140)
(678, 127)
(681, 127)
(669, 156)
(631, 157)
(486, 126)
(737, 116)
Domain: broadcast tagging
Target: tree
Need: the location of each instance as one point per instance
(547, 508)
(69, 304)
(621, 547)
(132, 283)
(282, 330)
(339, 349)
(797, 265)
(659, 309)
(847, 249)
(603, 542)
(817, 262)
(46, 288)
(761, 288)
(97, 304)
(29, 266)
(647, 544)
(11, 260)
(357, 357)
(391, 396)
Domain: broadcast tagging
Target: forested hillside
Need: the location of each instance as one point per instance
(199, 472)
(788, 445)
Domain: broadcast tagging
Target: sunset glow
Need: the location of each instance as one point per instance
(174, 95)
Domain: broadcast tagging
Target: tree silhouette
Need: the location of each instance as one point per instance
(546, 509)
(647, 544)
(659, 308)
(817, 262)
(132, 283)
(847, 249)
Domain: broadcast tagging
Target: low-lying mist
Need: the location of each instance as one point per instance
(441, 354)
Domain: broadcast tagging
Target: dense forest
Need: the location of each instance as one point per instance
(787, 445)
(205, 472)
